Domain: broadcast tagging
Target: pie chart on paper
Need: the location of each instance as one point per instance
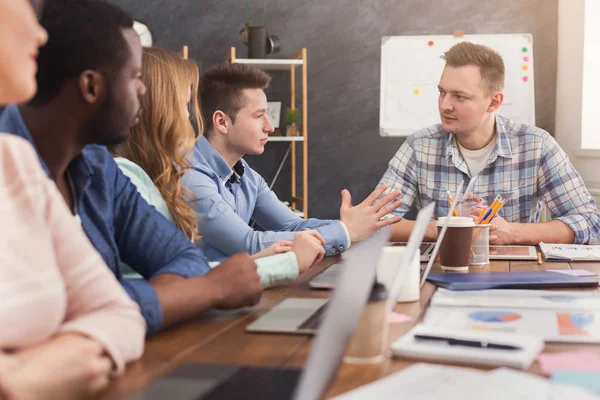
(494, 316)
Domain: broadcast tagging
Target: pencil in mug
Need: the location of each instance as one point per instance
(486, 216)
(454, 212)
(488, 211)
(494, 211)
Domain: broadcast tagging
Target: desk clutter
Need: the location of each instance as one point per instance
(501, 328)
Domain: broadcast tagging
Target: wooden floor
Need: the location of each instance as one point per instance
(221, 338)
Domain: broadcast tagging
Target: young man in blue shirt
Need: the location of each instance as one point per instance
(228, 193)
(88, 93)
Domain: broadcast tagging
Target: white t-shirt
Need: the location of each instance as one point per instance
(477, 159)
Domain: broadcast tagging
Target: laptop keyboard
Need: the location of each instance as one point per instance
(257, 382)
(423, 248)
(314, 321)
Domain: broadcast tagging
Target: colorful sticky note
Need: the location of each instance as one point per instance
(525, 78)
(585, 380)
(525, 49)
(417, 91)
(525, 67)
(430, 43)
(581, 360)
(396, 318)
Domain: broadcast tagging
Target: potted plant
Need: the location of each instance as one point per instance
(291, 117)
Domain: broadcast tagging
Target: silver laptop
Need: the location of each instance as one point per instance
(425, 249)
(327, 278)
(212, 381)
(303, 316)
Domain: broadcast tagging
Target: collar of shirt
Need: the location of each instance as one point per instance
(502, 147)
(218, 163)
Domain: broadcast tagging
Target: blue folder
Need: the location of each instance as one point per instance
(509, 280)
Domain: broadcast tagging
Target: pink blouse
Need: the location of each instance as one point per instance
(51, 278)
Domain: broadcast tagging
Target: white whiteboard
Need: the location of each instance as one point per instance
(411, 68)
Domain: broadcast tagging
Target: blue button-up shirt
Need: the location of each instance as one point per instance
(226, 201)
(527, 166)
(120, 224)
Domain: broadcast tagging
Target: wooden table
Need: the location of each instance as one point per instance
(220, 337)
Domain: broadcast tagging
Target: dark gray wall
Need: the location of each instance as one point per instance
(343, 38)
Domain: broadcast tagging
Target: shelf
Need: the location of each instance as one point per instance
(270, 64)
(286, 139)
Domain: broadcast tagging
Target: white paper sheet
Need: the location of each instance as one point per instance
(553, 326)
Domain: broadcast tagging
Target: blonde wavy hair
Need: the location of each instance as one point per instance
(164, 137)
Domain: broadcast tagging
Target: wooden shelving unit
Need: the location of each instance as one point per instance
(298, 60)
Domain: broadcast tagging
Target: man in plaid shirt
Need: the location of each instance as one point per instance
(519, 162)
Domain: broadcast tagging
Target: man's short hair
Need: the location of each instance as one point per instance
(221, 88)
(82, 35)
(488, 60)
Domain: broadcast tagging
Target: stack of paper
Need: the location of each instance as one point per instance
(433, 382)
(555, 316)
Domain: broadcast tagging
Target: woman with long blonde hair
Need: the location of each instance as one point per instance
(160, 142)
(154, 157)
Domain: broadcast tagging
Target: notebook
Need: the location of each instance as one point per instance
(570, 252)
(527, 347)
(510, 280)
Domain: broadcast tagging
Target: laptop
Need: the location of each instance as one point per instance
(303, 316)
(327, 278)
(425, 249)
(210, 381)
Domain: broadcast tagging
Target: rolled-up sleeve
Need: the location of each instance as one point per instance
(145, 296)
(401, 175)
(566, 196)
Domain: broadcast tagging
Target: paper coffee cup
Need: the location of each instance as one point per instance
(456, 245)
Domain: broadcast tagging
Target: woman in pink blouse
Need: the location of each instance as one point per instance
(67, 325)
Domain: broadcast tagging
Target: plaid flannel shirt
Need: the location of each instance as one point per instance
(527, 164)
